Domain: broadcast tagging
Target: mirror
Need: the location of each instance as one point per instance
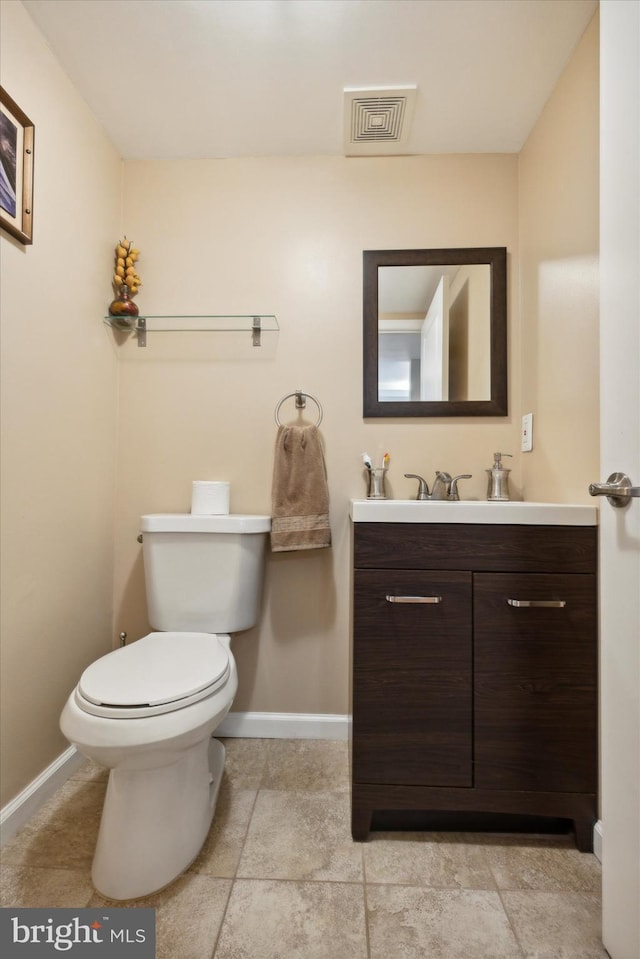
(435, 332)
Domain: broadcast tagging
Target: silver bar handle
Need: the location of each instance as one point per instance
(550, 603)
(413, 599)
(617, 489)
(612, 489)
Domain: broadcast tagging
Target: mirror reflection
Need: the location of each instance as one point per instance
(435, 332)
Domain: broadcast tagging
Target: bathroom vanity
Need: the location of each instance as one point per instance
(474, 662)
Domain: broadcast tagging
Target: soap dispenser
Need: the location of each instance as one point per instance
(498, 488)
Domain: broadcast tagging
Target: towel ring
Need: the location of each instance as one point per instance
(301, 402)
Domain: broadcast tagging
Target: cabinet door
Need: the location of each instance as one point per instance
(535, 682)
(412, 720)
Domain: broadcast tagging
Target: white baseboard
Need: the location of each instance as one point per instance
(284, 726)
(17, 813)
(597, 840)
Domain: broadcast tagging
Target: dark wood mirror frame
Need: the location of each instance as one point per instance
(496, 258)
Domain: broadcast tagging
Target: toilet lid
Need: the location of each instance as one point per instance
(158, 673)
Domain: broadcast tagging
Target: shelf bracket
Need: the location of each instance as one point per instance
(256, 331)
(142, 331)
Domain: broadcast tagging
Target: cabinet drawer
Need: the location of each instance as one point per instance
(535, 670)
(553, 549)
(412, 694)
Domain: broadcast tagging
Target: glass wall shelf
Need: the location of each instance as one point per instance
(256, 324)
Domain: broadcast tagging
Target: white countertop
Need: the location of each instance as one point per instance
(468, 511)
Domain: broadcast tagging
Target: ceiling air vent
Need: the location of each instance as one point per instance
(377, 120)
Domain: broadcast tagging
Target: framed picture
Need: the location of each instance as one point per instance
(16, 170)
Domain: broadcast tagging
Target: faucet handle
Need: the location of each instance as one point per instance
(423, 489)
(453, 489)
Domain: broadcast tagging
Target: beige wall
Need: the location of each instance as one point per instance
(559, 222)
(286, 236)
(274, 235)
(59, 398)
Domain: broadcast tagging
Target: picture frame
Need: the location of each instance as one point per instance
(17, 135)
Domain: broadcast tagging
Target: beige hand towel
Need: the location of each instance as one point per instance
(300, 495)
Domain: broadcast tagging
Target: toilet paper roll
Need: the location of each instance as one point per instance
(209, 498)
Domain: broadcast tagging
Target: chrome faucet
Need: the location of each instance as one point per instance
(445, 487)
(441, 486)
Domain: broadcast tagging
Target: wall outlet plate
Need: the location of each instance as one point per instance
(526, 444)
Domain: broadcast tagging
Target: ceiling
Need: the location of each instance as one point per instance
(219, 78)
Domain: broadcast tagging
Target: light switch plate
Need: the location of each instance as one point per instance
(527, 433)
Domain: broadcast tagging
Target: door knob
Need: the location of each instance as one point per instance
(617, 489)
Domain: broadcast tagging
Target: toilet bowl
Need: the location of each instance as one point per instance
(148, 711)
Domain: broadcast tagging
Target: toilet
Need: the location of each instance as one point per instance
(147, 711)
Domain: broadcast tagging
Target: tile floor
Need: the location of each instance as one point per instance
(280, 878)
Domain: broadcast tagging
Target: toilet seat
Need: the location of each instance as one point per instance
(160, 673)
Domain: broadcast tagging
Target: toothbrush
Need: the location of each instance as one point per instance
(366, 459)
(385, 461)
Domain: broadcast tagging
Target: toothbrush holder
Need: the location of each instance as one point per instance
(376, 488)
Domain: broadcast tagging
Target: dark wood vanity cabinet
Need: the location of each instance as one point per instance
(474, 672)
(412, 677)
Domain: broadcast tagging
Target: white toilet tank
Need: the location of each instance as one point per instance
(203, 573)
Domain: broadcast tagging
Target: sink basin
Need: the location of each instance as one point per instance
(467, 511)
